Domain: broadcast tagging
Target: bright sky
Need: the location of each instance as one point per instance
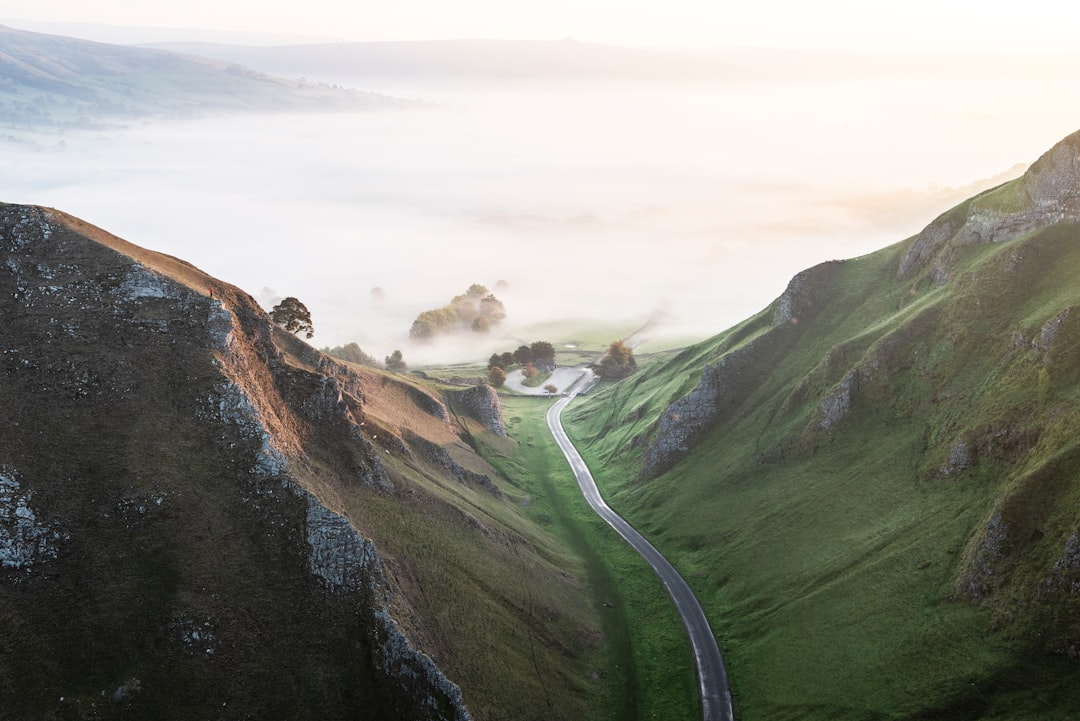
(962, 25)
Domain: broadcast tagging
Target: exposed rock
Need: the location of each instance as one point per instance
(961, 457)
(340, 556)
(482, 403)
(976, 581)
(1048, 193)
(806, 292)
(439, 456)
(429, 403)
(1049, 333)
(1070, 556)
(401, 660)
(723, 386)
(328, 400)
(838, 403)
(24, 540)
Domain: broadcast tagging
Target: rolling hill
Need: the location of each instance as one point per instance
(58, 81)
(874, 483)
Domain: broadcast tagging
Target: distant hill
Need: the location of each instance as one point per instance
(549, 60)
(60, 81)
(876, 480)
(461, 59)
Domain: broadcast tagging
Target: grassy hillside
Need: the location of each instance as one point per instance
(873, 484)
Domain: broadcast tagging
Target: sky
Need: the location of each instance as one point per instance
(610, 202)
(941, 25)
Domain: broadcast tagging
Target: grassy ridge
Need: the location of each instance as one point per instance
(838, 559)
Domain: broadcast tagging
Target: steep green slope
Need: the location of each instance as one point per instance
(873, 484)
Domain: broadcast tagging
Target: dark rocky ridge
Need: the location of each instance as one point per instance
(163, 552)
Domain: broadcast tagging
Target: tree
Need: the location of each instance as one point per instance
(618, 362)
(293, 316)
(495, 361)
(551, 388)
(523, 355)
(492, 309)
(352, 353)
(543, 354)
(496, 377)
(395, 361)
(481, 324)
(507, 359)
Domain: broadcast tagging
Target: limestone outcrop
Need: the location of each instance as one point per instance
(1047, 194)
(481, 403)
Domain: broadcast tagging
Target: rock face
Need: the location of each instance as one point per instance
(726, 384)
(481, 402)
(1047, 194)
(722, 386)
(439, 456)
(24, 540)
(156, 529)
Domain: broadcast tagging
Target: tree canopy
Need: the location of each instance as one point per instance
(476, 310)
(395, 361)
(293, 316)
(353, 354)
(618, 361)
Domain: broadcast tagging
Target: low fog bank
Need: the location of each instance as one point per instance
(597, 203)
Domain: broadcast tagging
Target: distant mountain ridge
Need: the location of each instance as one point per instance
(54, 80)
(878, 476)
(459, 59)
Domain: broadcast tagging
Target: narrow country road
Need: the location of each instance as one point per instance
(712, 678)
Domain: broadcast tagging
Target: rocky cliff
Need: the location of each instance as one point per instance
(481, 402)
(1047, 194)
(726, 384)
(202, 517)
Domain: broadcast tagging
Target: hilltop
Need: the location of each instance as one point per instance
(873, 481)
(201, 516)
(52, 80)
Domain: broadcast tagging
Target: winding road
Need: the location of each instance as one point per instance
(712, 678)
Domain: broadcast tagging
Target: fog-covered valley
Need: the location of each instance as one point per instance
(595, 199)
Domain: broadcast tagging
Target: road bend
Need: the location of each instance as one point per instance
(712, 678)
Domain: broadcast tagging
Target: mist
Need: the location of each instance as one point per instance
(597, 203)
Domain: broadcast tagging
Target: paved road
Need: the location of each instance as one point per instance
(712, 678)
(562, 378)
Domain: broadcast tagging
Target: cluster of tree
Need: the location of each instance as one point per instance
(395, 362)
(353, 354)
(618, 361)
(540, 354)
(532, 358)
(477, 310)
(293, 316)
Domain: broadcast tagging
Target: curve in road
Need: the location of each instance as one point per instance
(712, 677)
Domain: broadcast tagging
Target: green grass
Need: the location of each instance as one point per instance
(646, 671)
(833, 559)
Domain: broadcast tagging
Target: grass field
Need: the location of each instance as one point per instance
(647, 670)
